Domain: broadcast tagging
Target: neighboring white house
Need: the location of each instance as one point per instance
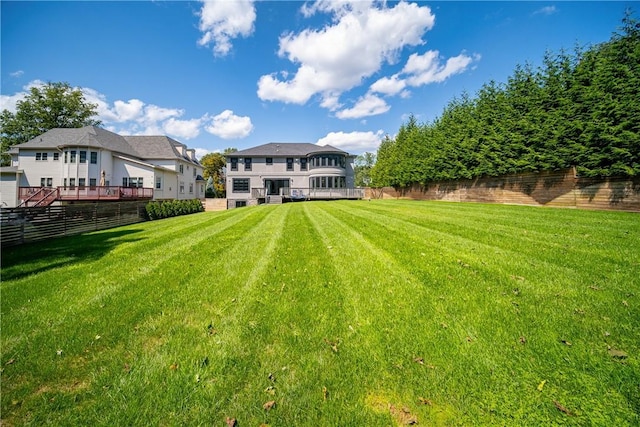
(277, 172)
(92, 163)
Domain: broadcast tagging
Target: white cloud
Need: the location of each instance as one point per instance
(547, 10)
(135, 117)
(129, 110)
(336, 58)
(201, 152)
(227, 125)
(389, 85)
(221, 21)
(186, 129)
(9, 102)
(353, 142)
(18, 73)
(367, 105)
(427, 68)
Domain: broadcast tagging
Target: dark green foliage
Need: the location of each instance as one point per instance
(53, 105)
(579, 110)
(169, 208)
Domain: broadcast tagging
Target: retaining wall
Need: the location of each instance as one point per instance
(557, 188)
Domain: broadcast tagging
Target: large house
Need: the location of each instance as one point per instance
(94, 164)
(277, 172)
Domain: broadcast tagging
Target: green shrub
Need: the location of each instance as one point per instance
(169, 208)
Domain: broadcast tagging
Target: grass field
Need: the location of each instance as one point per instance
(329, 314)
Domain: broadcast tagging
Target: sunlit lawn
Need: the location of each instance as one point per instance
(329, 314)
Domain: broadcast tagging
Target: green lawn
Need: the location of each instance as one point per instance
(329, 314)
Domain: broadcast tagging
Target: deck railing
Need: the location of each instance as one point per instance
(312, 193)
(42, 196)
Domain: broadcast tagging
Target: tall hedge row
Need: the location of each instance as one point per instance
(580, 109)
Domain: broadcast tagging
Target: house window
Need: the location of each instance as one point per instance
(181, 187)
(181, 168)
(46, 182)
(269, 160)
(132, 182)
(64, 182)
(303, 164)
(56, 157)
(83, 157)
(82, 182)
(241, 203)
(41, 157)
(289, 163)
(191, 188)
(194, 172)
(247, 163)
(241, 185)
(94, 157)
(234, 163)
(65, 156)
(72, 183)
(73, 156)
(92, 182)
(158, 183)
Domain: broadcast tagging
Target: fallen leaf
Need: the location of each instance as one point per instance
(269, 405)
(425, 401)
(231, 422)
(419, 360)
(271, 390)
(10, 362)
(325, 393)
(567, 343)
(541, 385)
(332, 344)
(625, 303)
(173, 366)
(272, 377)
(561, 408)
(522, 340)
(618, 354)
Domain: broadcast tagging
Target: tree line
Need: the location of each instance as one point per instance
(577, 109)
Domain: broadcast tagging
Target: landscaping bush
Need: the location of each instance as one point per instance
(169, 208)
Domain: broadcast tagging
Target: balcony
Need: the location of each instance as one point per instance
(44, 196)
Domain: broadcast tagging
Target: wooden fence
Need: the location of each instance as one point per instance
(555, 188)
(23, 225)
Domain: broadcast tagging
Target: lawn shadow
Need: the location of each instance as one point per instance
(36, 257)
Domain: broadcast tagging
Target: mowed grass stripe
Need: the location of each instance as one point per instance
(507, 309)
(198, 340)
(343, 313)
(393, 320)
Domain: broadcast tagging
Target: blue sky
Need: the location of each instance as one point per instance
(237, 73)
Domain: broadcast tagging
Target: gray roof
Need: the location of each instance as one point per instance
(141, 147)
(157, 147)
(88, 136)
(281, 149)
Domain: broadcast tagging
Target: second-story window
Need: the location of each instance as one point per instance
(269, 160)
(181, 167)
(234, 163)
(247, 163)
(83, 157)
(94, 157)
(303, 164)
(289, 163)
(73, 156)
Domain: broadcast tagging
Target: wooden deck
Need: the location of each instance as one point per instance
(45, 196)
